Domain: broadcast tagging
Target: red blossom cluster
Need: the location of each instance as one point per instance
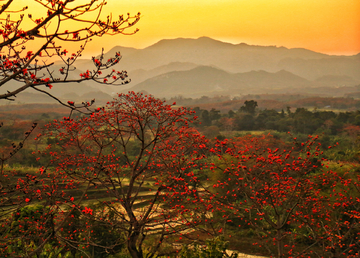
(169, 151)
(280, 192)
(137, 168)
(31, 67)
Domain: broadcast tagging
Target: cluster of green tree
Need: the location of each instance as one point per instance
(302, 120)
(270, 101)
(332, 127)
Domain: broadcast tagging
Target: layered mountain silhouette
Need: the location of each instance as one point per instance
(210, 81)
(210, 52)
(204, 66)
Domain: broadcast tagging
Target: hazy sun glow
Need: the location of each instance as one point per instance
(327, 26)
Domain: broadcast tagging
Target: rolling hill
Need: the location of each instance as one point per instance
(210, 81)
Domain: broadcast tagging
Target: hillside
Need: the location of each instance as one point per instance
(210, 81)
(204, 66)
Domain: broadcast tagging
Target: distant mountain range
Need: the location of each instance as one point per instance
(204, 66)
(205, 80)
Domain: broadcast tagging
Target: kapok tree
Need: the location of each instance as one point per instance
(344, 239)
(52, 24)
(30, 41)
(279, 192)
(136, 159)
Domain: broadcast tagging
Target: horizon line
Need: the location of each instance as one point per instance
(226, 42)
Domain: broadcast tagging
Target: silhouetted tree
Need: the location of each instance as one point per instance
(249, 107)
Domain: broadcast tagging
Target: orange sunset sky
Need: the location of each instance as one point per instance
(327, 26)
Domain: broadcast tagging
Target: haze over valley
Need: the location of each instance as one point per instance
(207, 67)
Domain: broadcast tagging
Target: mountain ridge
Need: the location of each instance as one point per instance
(210, 81)
(234, 69)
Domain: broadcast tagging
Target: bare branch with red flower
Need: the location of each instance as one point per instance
(29, 66)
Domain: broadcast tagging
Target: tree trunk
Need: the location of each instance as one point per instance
(131, 245)
(279, 244)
